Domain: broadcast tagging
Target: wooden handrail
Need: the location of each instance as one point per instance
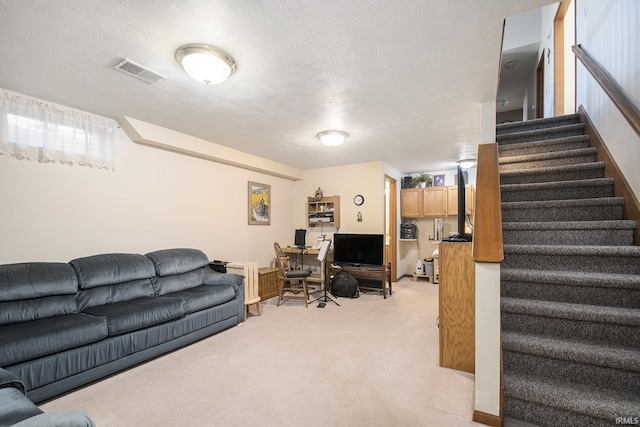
(610, 86)
(487, 222)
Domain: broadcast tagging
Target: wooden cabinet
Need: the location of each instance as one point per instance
(433, 201)
(411, 202)
(452, 200)
(457, 307)
(325, 212)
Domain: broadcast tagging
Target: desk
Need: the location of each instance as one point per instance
(315, 277)
(382, 273)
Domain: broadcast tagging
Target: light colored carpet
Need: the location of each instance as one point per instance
(369, 362)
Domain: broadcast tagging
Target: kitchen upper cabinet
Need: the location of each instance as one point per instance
(433, 201)
(411, 202)
(452, 199)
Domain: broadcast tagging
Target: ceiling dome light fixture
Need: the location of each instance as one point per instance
(467, 163)
(332, 138)
(206, 64)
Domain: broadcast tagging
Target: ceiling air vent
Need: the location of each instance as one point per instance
(137, 70)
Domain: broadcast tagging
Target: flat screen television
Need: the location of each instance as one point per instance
(461, 236)
(358, 249)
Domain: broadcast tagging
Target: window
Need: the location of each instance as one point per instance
(38, 130)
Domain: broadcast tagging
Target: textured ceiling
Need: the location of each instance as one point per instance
(405, 78)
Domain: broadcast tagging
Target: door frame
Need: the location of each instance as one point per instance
(391, 224)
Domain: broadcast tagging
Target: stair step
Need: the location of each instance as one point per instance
(606, 367)
(547, 145)
(609, 289)
(592, 323)
(606, 233)
(557, 190)
(605, 208)
(546, 122)
(549, 159)
(548, 402)
(554, 173)
(540, 134)
(597, 259)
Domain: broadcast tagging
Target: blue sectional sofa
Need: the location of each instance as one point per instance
(18, 411)
(63, 325)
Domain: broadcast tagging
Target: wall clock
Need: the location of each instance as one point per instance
(358, 200)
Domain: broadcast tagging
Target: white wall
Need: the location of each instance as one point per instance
(610, 32)
(546, 49)
(155, 199)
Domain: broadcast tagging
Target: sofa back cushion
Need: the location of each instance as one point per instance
(36, 290)
(178, 269)
(110, 278)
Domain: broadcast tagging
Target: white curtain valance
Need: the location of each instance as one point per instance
(38, 130)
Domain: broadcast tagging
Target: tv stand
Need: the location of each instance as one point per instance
(380, 272)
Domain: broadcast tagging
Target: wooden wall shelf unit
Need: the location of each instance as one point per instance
(433, 201)
(323, 212)
(382, 273)
(457, 306)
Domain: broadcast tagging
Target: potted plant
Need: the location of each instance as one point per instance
(422, 180)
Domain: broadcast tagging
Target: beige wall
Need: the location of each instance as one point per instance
(161, 199)
(345, 181)
(155, 199)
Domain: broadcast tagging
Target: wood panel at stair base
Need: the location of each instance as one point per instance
(457, 307)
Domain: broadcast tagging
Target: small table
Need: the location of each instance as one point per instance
(381, 272)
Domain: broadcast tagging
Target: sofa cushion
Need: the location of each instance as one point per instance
(126, 316)
(36, 290)
(36, 308)
(178, 282)
(110, 269)
(30, 340)
(35, 280)
(204, 296)
(176, 261)
(111, 294)
(58, 418)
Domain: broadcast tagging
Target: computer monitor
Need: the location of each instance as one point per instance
(301, 238)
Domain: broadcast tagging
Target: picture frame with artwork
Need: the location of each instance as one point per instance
(259, 203)
(438, 181)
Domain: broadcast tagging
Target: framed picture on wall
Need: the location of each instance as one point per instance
(259, 203)
(438, 181)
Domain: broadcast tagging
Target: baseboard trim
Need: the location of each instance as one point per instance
(621, 187)
(487, 419)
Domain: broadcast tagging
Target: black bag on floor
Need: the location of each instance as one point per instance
(345, 285)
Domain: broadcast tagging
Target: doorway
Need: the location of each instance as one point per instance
(391, 225)
(540, 87)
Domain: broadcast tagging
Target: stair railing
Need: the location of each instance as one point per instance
(487, 222)
(617, 95)
(488, 253)
(631, 113)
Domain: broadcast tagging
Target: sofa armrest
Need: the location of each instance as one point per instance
(7, 379)
(212, 277)
(58, 419)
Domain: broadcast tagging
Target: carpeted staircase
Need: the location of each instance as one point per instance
(570, 281)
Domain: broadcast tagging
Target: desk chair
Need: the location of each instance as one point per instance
(289, 280)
